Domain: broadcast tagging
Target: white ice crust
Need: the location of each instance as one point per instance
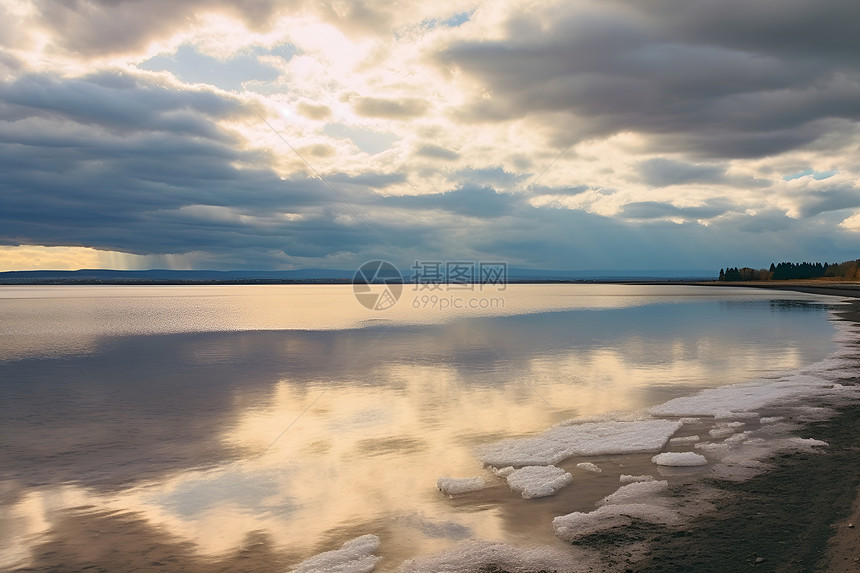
(356, 556)
(591, 439)
(472, 556)
(684, 440)
(538, 481)
(679, 459)
(454, 486)
(634, 492)
(627, 478)
(728, 401)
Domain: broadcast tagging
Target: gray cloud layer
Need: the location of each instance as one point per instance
(718, 79)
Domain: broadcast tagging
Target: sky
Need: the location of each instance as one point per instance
(570, 135)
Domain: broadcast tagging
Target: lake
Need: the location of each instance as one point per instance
(252, 427)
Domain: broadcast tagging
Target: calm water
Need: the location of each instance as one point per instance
(250, 427)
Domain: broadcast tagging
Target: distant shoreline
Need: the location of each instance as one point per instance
(830, 288)
(812, 286)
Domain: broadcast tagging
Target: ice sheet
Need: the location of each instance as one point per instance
(590, 439)
(728, 400)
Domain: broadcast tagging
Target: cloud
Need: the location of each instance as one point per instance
(468, 200)
(405, 108)
(437, 152)
(657, 210)
(661, 172)
(105, 27)
(314, 111)
(120, 102)
(828, 198)
(192, 67)
(699, 83)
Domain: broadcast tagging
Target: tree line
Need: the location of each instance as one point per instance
(849, 270)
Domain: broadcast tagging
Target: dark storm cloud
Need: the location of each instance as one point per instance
(736, 79)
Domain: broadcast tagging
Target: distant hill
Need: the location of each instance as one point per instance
(162, 276)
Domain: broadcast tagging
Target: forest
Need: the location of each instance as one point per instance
(849, 270)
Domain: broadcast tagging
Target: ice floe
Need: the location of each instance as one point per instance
(729, 400)
(589, 439)
(504, 472)
(454, 486)
(721, 432)
(578, 524)
(679, 459)
(808, 442)
(684, 440)
(538, 481)
(635, 491)
(589, 467)
(627, 478)
(356, 556)
(471, 556)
